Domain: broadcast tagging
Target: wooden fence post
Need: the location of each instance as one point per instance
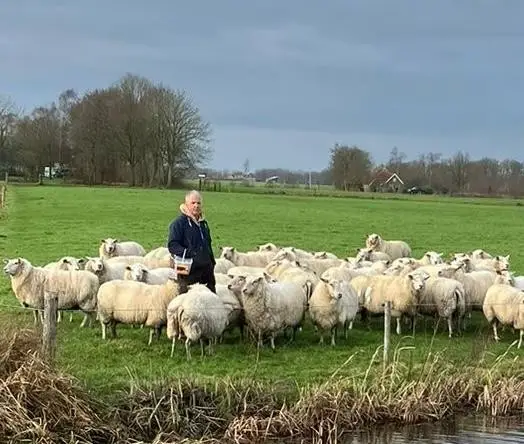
(387, 331)
(2, 195)
(49, 327)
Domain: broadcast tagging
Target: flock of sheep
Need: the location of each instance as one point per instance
(273, 289)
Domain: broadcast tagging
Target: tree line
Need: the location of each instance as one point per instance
(133, 131)
(141, 133)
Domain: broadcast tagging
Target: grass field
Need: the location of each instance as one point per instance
(44, 223)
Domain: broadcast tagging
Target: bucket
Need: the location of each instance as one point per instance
(183, 265)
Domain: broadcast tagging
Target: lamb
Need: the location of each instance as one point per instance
(75, 290)
(271, 307)
(504, 304)
(140, 273)
(402, 291)
(445, 298)
(113, 247)
(105, 269)
(137, 303)
(223, 265)
(200, 315)
(333, 303)
(27, 283)
(394, 248)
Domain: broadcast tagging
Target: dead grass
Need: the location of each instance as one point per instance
(39, 404)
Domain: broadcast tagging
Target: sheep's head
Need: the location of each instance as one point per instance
(253, 283)
(335, 287)
(480, 254)
(272, 266)
(502, 263)
(137, 272)
(268, 247)
(228, 253)
(286, 253)
(95, 265)
(363, 254)
(418, 280)
(69, 263)
(320, 255)
(14, 266)
(463, 262)
(237, 284)
(434, 258)
(373, 240)
(109, 245)
(504, 277)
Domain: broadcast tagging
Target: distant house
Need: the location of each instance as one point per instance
(385, 181)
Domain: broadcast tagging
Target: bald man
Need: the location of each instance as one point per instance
(190, 232)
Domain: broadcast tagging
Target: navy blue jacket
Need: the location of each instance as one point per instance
(185, 233)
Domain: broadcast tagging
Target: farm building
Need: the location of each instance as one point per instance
(385, 181)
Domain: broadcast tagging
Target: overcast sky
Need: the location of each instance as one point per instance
(282, 81)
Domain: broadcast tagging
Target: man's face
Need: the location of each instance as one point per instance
(194, 205)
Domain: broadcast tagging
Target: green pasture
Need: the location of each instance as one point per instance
(47, 222)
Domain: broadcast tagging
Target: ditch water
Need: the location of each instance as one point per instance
(465, 430)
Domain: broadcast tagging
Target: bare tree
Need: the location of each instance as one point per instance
(459, 164)
(350, 167)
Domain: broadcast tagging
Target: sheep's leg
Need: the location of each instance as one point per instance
(350, 327)
(495, 334)
(272, 341)
(70, 316)
(35, 316)
(173, 341)
(321, 342)
(151, 332)
(59, 316)
(212, 342)
(333, 334)
(450, 327)
(188, 351)
(259, 342)
(113, 329)
(521, 338)
(84, 321)
(398, 326)
(201, 348)
(104, 328)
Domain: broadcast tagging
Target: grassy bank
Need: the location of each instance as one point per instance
(44, 223)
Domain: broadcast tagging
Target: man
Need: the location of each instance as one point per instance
(190, 232)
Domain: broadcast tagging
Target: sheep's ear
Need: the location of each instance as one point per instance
(498, 272)
(145, 270)
(427, 255)
(103, 241)
(128, 267)
(507, 257)
(410, 276)
(441, 254)
(65, 261)
(6, 261)
(325, 280)
(116, 241)
(81, 260)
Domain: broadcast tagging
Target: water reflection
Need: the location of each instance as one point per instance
(470, 430)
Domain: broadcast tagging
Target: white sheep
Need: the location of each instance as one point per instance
(269, 247)
(249, 258)
(402, 291)
(443, 297)
(504, 304)
(324, 255)
(140, 273)
(199, 315)
(271, 307)
(476, 284)
(243, 270)
(113, 247)
(74, 290)
(369, 254)
(291, 271)
(333, 303)
(157, 253)
(66, 263)
(105, 269)
(393, 248)
(223, 265)
(165, 262)
(27, 283)
(221, 278)
(292, 254)
(136, 303)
